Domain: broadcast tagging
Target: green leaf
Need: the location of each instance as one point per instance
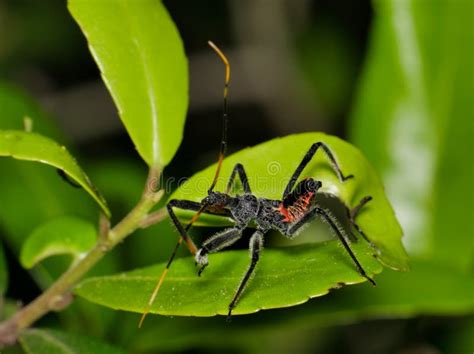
(413, 119)
(40, 194)
(65, 235)
(48, 341)
(270, 165)
(140, 54)
(284, 277)
(34, 147)
(35, 189)
(3, 272)
(429, 289)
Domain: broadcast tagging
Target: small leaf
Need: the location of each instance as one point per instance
(284, 277)
(34, 147)
(48, 341)
(3, 272)
(270, 165)
(65, 235)
(140, 54)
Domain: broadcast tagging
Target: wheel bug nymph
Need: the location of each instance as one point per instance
(297, 207)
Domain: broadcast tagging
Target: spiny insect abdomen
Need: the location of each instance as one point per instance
(298, 209)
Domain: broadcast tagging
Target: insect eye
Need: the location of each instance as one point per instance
(313, 185)
(207, 200)
(213, 199)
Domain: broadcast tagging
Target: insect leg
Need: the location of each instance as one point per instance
(355, 211)
(195, 206)
(307, 158)
(255, 247)
(215, 243)
(182, 204)
(239, 168)
(188, 205)
(333, 224)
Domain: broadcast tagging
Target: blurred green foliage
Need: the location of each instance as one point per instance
(55, 342)
(322, 46)
(3, 272)
(413, 119)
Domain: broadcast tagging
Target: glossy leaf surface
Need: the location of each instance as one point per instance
(65, 235)
(284, 277)
(35, 147)
(270, 165)
(141, 57)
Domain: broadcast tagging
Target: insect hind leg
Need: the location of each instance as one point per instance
(329, 219)
(352, 214)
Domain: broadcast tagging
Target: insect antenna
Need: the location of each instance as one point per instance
(165, 271)
(222, 152)
(225, 116)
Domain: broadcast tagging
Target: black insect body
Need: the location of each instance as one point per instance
(297, 207)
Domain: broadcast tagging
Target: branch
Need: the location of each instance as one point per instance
(59, 292)
(154, 218)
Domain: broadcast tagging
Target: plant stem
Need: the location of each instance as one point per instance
(55, 294)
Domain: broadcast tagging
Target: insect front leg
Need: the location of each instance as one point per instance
(215, 243)
(255, 248)
(187, 205)
(334, 226)
(182, 204)
(307, 158)
(238, 169)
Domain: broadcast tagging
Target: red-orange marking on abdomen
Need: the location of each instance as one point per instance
(297, 210)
